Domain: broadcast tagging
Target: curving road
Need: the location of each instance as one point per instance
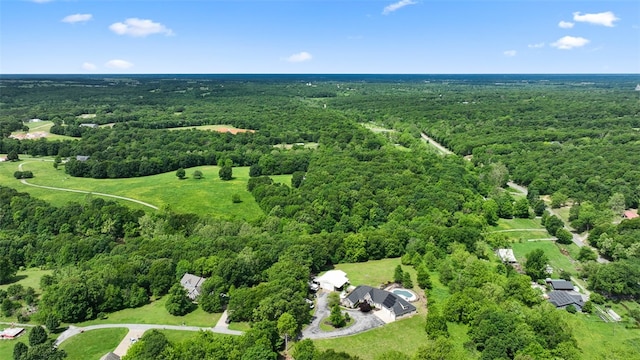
(362, 321)
(84, 191)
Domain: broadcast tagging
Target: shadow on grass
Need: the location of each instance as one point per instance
(17, 278)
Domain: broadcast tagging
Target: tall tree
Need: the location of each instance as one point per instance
(287, 328)
(178, 303)
(536, 264)
(37, 336)
(226, 170)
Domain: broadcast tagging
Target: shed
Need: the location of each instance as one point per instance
(333, 280)
(82, 157)
(11, 333)
(630, 214)
(507, 256)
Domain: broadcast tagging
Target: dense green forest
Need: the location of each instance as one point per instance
(359, 195)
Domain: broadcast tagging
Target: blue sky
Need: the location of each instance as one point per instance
(314, 36)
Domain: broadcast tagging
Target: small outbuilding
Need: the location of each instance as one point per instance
(630, 214)
(332, 280)
(507, 256)
(11, 333)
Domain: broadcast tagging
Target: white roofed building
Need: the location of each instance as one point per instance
(333, 280)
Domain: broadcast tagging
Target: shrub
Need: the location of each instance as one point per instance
(571, 309)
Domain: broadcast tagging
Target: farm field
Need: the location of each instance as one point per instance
(156, 313)
(220, 128)
(509, 224)
(92, 345)
(40, 129)
(209, 195)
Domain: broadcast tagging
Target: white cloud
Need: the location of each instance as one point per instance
(118, 64)
(299, 57)
(536, 46)
(570, 42)
(606, 18)
(396, 6)
(565, 24)
(89, 66)
(510, 53)
(139, 28)
(76, 18)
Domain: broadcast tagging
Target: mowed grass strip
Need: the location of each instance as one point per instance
(208, 195)
(156, 313)
(94, 344)
(507, 224)
(600, 340)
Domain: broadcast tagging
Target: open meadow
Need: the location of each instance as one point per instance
(209, 195)
(93, 344)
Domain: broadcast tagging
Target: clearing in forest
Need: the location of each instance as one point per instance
(219, 128)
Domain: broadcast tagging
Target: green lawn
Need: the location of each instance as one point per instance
(517, 236)
(600, 340)
(43, 126)
(557, 260)
(155, 313)
(205, 196)
(28, 278)
(505, 224)
(374, 272)
(240, 326)
(92, 345)
(6, 346)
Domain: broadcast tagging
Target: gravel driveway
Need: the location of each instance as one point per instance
(362, 321)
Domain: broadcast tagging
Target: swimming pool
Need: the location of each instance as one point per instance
(405, 294)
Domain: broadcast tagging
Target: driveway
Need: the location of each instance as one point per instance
(362, 321)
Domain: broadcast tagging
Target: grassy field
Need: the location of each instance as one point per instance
(155, 313)
(240, 326)
(43, 126)
(373, 273)
(557, 260)
(92, 345)
(507, 224)
(28, 278)
(600, 340)
(221, 128)
(6, 346)
(209, 195)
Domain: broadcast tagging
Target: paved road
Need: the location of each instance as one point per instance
(85, 192)
(74, 330)
(436, 144)
(363, 322)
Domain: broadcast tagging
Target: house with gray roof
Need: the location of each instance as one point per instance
(561, 299)
(392, 305)
(560, 284)
(193, 285)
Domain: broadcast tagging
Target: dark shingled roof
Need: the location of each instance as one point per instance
(110, 356)
(389, 300)
(561, 285)
(564, 298)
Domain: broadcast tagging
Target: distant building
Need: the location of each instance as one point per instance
(332, 280)
(193, 285)
(92, 126)
(11, 333)
(82, 158)
(507, 256)
(630, 214)
(391, 305)
(562, 285)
